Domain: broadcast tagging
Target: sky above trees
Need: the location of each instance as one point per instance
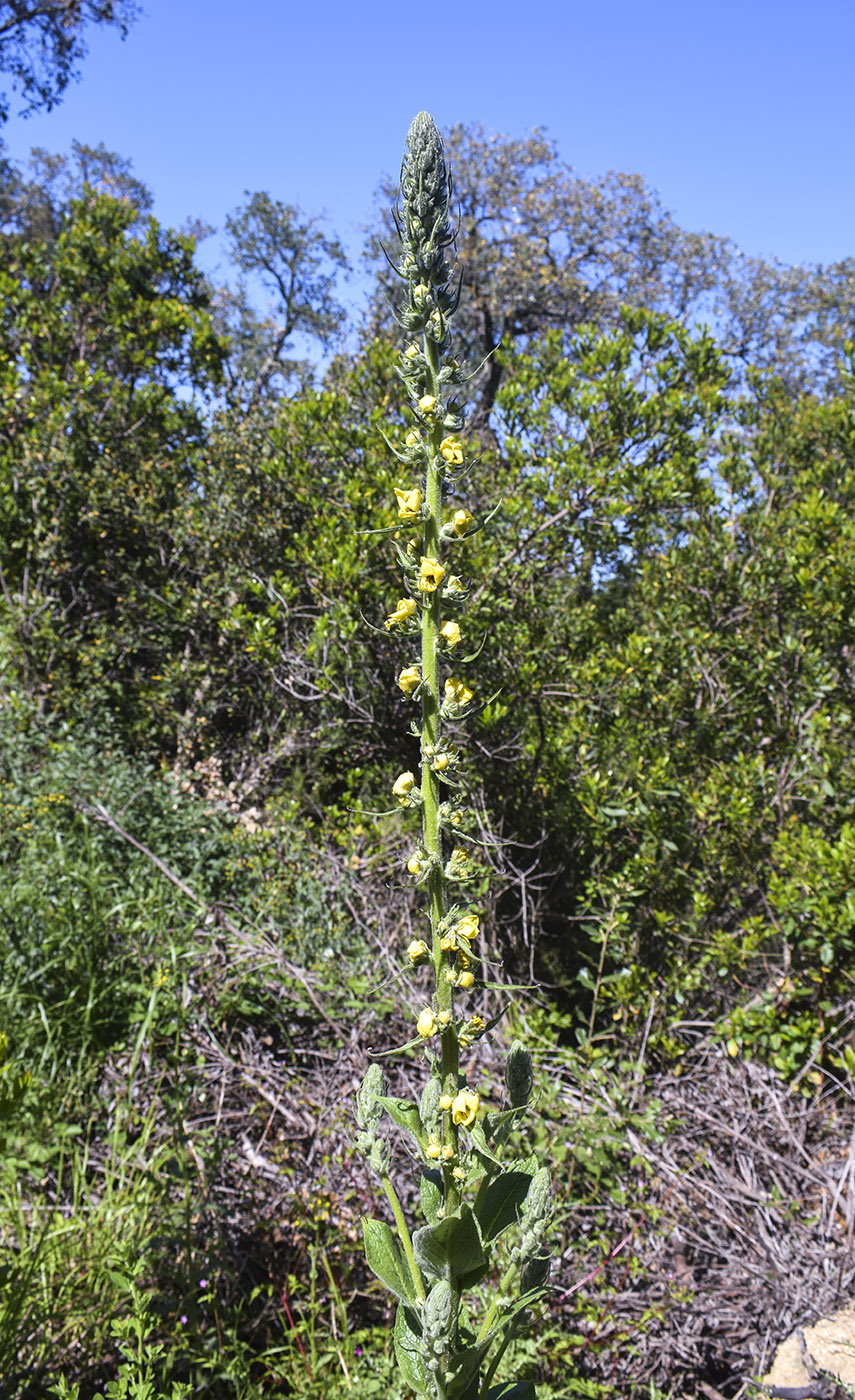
(739, 117)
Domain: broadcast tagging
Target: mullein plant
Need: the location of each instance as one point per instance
(485, 1213)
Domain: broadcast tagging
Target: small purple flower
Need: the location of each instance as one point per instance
(183, 1319)
(203, 1283)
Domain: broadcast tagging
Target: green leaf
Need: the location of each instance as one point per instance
(452, 1249)
(406, 1115)
(430, 1190)
(386, 1258)
(408, 1350)
(463, 1381)
(479, 1142)
(502, 1202)
(512, 1390)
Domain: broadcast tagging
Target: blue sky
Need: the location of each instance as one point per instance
(738, 113)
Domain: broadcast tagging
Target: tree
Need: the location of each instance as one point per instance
(296, 264)
(107, 347)
(42, 44)
(543, 248)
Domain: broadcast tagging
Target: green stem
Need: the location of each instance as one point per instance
(431, 733)
(404, 1236)
(492, 1312)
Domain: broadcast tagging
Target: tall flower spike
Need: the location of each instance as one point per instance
(436, 1354)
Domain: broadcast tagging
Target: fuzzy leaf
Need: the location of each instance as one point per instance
(463, 1382)
(479, 1142)
(431, 1195)
(502, 1202)
(452, 1249)
(407, 1350)
(406, 1115)
(386, 1258)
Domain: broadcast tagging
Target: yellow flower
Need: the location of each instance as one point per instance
(455, 585)
(403, 612)
(447, 1152)
(417, 950)
(411, 352)
(426, 1025)
(461, 520)
(409, 503)
(420, 292)
(458, 1174)
(403, 786)
(427, 403)
(468, 927)
(433, 1149)
(444, 1018)
(465, 980)
(451, 634)
(410, 679)
(412, 438)
(445, 1102)
(464, 1108)
(440, 762)
(447, 943)
(457, 692)
(452, 451)
(414, 864)
(430, 575)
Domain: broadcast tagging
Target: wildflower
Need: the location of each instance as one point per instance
(412, 439)
(417, 951)
(447, 1152)
(461, 521)
(465, 980)
(457, 692)
(451, 634)
(409, 503)
(410, 679)
(412, 352)
(468, 927)
(440, 762)
(403, 612)
(427, 403)
(448, 943)
(444, 1018)
(458, 1174)
(464, 1108)
(403, 786)
(434, 1148)
(445, 1102)
(430, 575)
(455, 587)
(426, 1025)
(420, 292)
(452, 451)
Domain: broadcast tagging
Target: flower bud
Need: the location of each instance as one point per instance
(451, 634)
(436, 1313)
(417, 952)
(403, 785)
